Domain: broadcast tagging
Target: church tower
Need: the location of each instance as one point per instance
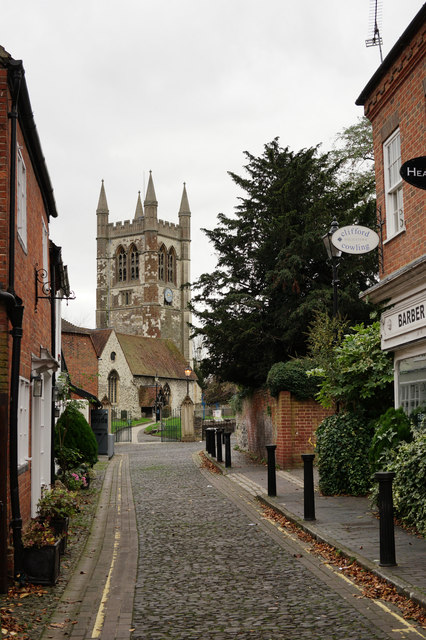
(141, 267)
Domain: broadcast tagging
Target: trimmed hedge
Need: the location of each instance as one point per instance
(291, 376)
(72, 431)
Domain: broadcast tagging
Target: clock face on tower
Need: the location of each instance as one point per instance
(168, 295)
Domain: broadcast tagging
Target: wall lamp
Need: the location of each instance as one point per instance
(37, 386)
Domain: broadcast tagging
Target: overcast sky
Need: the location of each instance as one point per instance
(181, 88)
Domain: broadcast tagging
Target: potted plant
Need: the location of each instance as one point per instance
(40, 554)
(55, 507)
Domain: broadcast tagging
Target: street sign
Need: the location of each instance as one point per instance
(355, 239)
(414, 172)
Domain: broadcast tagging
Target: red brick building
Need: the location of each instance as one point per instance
(394, 102)
(32, 277)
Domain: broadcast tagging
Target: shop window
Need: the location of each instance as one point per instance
(393, 184)
(412, 383)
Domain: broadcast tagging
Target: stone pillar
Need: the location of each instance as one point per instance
(187, 420)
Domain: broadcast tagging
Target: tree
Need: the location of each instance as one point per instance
(272, 271)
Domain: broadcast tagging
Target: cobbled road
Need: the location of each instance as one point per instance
(210, 567)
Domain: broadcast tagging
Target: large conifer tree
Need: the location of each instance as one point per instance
(272, 271)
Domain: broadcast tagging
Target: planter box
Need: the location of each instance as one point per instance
(41, 566)
(60, 527)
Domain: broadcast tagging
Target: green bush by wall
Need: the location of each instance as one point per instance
(343, 442)
(73, 432)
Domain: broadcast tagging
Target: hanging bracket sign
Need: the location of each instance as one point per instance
(355, 239)
(414, 172)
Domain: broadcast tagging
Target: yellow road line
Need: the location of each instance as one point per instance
(100, 617)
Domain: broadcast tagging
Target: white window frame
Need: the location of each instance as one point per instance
(393, 185)
(21, 198)
(23, 421)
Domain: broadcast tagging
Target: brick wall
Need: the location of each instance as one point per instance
(36, 326)
(287, 422)
(398, 100)
(296, 424)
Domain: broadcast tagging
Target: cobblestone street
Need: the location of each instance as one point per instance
(210, 567)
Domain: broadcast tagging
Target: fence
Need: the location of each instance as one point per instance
(171, 427)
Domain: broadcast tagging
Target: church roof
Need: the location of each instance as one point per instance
(99, 339)
(150, 356)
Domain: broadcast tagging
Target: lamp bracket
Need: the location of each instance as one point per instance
(47, 293)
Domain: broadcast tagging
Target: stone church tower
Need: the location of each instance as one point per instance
(141, 267)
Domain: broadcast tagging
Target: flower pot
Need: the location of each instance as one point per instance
(60, 527)
(41, 565)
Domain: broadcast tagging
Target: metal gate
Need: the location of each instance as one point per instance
(171, 427)
(121, 425)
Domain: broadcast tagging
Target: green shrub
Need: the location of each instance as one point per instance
(392, 428)
(291, 376)
(343, 442)
(409, 488)
(73, 432)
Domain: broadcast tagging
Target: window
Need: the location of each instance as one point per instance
(171, 266)
(121, 265)
(393, 184)
(23, 421)
(21, 199)
(113, 387)
(162, 264)
(412, 383)
(134, 263)
(126, 298)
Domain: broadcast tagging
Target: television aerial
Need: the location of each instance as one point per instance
(374, 23)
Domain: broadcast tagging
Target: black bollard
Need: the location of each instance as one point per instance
(308, 486)
(272, 478)
(227, 437)
(219, 445)
(387, 532)
(213, 443)
(207, 434)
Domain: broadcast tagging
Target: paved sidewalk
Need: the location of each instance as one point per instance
(98, 600)
(342, 521)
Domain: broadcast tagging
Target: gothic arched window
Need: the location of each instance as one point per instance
(162, 263)
(121, 265)
(171, 266)
(134, 263)
(113, 387)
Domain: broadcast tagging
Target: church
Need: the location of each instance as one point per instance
(141, 346)
(143, 266)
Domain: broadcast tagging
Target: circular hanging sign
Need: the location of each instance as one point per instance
(414, 172)
(355, 239)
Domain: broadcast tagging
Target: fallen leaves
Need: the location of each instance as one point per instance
(207, 464)
(372, 586)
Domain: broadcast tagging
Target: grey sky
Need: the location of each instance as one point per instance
(182, 88)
